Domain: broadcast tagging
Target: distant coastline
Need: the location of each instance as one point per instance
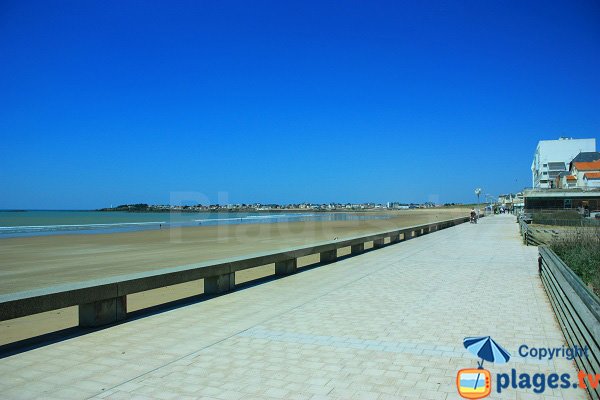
(224, 210)
(273, 208)
(233, 210)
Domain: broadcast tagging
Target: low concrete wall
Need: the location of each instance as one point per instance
(103, 301)
(577, 310)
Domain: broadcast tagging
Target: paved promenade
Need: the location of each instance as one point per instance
(385, 324)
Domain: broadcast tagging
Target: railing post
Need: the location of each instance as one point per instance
(286, 267)
(328, 256)
(378, 243)
(219, 283)
(357, 248)
(103, 312)
(395, 238)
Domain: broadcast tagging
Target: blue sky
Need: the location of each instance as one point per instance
(272, 101)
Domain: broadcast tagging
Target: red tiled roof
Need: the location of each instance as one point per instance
(592, 175)
(571, 177)
(588, 166)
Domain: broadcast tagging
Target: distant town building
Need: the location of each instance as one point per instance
(552, 157)
(511, 201)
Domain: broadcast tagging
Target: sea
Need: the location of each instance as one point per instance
(53, 222)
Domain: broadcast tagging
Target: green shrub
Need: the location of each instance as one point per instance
(580, 250)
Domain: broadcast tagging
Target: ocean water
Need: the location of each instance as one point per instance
(35, 223)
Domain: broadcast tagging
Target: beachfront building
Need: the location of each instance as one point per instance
(554, 156)
(505, 199)
(562, 199)
(586, 156)
(591, 179)
(579, 170)
(565, 180)
(518, 202)
(583, 163)
(511, 201)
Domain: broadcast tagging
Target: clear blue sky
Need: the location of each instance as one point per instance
(274, 101)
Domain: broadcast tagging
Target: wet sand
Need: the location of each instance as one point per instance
(27, 263)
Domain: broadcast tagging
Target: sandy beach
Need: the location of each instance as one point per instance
(34, 262)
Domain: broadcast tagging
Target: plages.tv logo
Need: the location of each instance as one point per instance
(476, 383)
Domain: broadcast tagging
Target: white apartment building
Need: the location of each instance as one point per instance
(553, 157)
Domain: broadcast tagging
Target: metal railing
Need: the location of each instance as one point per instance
(577, 309)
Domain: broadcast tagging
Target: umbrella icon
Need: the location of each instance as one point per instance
(487, 349)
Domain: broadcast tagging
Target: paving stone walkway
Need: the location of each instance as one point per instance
(383, 325)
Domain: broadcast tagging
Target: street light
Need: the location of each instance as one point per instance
(478, 192)
(490, 198)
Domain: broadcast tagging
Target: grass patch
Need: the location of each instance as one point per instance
(580, 250)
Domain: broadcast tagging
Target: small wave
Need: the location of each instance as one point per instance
(255, 217)
(40, 228)
(219, 219)
(281, 216)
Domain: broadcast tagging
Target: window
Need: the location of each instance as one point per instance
(568, 203)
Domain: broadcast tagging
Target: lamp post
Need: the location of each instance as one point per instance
(478, 192)
(488, 198)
